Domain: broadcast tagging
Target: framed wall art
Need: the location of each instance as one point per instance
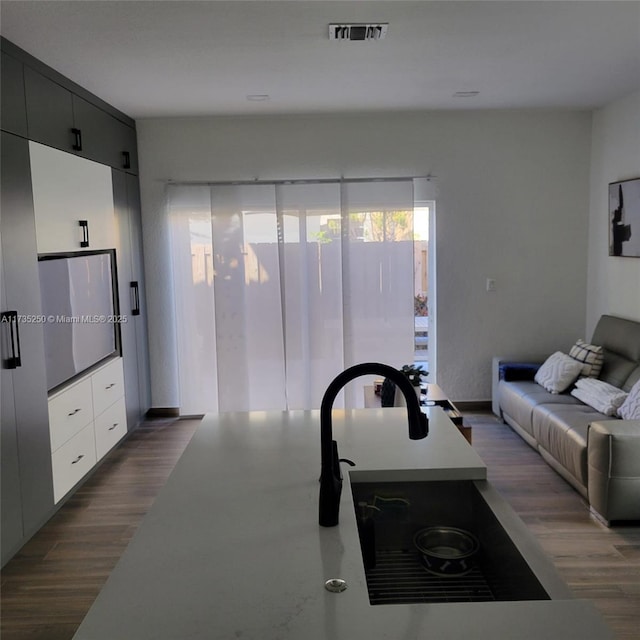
(624, 218)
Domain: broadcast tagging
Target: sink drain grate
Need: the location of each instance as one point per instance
(400, 578)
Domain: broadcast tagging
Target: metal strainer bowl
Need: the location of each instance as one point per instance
(446, 551)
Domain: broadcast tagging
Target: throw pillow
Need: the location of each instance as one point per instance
(630, 408)
(558, 372)
(591, 357)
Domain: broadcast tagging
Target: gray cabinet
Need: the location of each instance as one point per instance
(24, 386)
(40, 105)
(135, 354)
(11, 516)
(59, 118)
(104, 138)
(49, 111)
(140, 322)
(14, 116)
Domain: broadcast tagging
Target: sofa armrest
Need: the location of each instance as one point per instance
(613, 458)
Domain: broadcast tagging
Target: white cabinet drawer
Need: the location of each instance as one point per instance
(108, 386)
(69, 412)
(110, 426)
(72, 461)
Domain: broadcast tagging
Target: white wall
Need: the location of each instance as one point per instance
(513, 198)
(613, 283)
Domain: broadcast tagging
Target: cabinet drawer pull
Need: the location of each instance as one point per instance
(84, 225)
(109, 386)
(78, 458)
(77, 139)
(126, 160)
(115, 424)
(11, 318)
(135, 290)
(73, 413)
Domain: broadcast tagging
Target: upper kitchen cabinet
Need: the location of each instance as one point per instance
(72, 201)
(49, 111)
(58, 117)
(101, 137)
(13, 109)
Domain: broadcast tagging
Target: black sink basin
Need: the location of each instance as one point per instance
(391, 514)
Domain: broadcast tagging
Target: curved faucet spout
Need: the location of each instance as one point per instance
(330, 474)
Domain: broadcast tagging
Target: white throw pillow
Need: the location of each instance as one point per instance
(630, 408)
(558, 372)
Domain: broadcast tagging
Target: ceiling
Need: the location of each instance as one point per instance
(181, 58)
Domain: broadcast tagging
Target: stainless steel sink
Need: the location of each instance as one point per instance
(389, 514)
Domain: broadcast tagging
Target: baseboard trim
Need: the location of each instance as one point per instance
(473, 405)
(163, 412)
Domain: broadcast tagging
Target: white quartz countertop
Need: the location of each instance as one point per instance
(232, 549)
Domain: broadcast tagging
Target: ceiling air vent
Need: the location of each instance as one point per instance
(374, 31)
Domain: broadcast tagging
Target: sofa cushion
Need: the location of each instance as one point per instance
(634, 377)
(591, 357)
(562, 432)
(517, 400)
(620, 339)
(616, 370)
(618, 335)
(558, 372)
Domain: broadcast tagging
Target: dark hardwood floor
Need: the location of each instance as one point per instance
(49, 586)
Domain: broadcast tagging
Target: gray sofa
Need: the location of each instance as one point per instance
(597, 454)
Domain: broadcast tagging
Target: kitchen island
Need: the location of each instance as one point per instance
(232, 548)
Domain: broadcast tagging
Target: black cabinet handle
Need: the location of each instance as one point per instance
(135, 291)
(84, 224)
(15, 359)
(77, 139)
(78, 458)
(115, 424)
(126, 160)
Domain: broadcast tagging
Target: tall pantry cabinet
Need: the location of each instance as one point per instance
(41, 106)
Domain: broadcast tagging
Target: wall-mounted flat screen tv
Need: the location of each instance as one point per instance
(80, 312)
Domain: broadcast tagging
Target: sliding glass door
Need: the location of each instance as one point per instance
(279, 287)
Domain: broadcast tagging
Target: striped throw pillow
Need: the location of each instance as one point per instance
(591, 357)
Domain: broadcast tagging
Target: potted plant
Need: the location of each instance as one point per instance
(414, 373)
(390, 396)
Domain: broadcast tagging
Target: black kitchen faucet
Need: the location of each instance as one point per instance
(330, 474)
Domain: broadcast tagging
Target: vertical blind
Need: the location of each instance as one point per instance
(280, 287)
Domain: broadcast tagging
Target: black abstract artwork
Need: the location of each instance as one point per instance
(624, 218)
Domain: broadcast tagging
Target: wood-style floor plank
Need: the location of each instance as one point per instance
(598, 563)
(50, 585)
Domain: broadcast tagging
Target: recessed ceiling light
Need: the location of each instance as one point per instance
(466, 94)
(258, 97)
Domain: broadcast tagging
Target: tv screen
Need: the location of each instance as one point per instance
(79, 308)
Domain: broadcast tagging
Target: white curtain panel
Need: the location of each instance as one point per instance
(279, 287)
